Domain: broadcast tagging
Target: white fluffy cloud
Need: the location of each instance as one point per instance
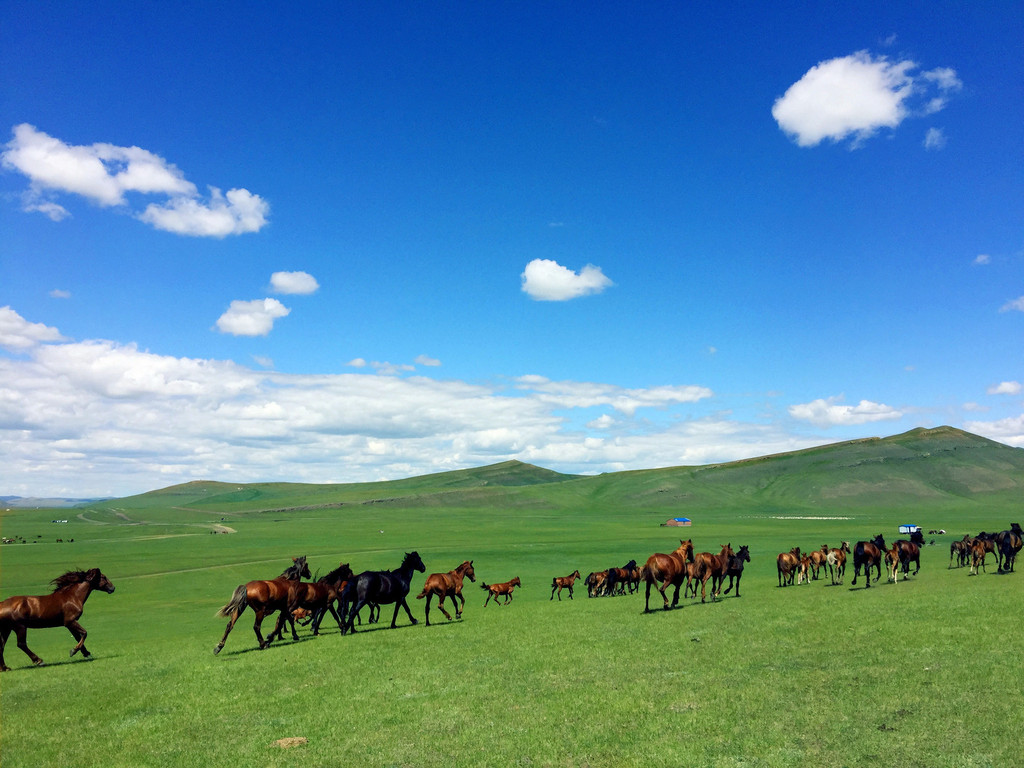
(856, 95)
(17, 334)
(575, 394)
(251, 318)
(301, 283)
(546, 280)
(1015, 305)
(1005, 388)
(96, 418)
(234, 213)
(1009, 430)
(105, 173)
(831, 412)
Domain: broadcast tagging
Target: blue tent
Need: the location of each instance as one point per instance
(909, 528)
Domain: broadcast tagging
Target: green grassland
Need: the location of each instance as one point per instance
(922, 673)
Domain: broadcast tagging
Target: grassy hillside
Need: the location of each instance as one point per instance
(943, 467)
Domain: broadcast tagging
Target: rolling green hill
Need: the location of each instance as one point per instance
(937, 467)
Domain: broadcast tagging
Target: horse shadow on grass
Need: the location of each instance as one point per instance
(65, 663)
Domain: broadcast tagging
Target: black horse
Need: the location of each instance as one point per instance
(1008, 544)
(866, 554)
(380, 587)
(735, 570)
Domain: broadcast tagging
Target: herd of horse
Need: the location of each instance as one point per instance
(294, 599)
(972, 550)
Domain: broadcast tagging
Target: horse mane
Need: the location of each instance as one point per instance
(70, 578)
(335, 574)
(294, 571)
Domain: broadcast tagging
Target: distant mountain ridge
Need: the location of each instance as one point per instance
(940, 465)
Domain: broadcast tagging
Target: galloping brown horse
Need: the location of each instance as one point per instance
(892, 563)
(447, 585)
(867, 554)
(819, 559)
(909, 553)
(836, 562)
(264, 597)
(788, 563)
(564, 582)
(317, 598)
(498, 590)
(714, 567)
(667, 569)
(61, 608)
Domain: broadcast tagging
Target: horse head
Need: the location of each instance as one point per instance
(467, 570)
(98, 581)
(879, 541)
(298, 570)
(412, 560)
(515, 582)
(342, 573)
(686, 547)
(744, 553)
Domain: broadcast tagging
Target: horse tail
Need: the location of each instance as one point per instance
(484, 585)
(422, 594)
(236, 605)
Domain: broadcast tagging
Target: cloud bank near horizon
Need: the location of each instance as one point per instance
(101, 418)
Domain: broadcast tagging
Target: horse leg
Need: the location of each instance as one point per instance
(5, 631)
(350, 622)
(405, 605)
(20, 630)
(231, 625)
(256, 628)
(461, 607)
(675, 594)
(570, 591)
(440, 606)
(79, 633)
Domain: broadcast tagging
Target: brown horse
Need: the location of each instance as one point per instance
(803, 570)
(499, 590)
(713, 567)
(61, 608)
(564, 582)
(667, 569)
(909, 553)
(595, 583)
(867, 554)
(316, 597)
(978, 553)
(819, 559)
(264, 597)
(788, 563)
(960, 551)
(447, 585)
(892, 564)
(836, 562)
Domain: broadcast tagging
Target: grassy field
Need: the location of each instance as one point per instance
(924, 672)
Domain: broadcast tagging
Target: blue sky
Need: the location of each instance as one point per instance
(366, 241)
